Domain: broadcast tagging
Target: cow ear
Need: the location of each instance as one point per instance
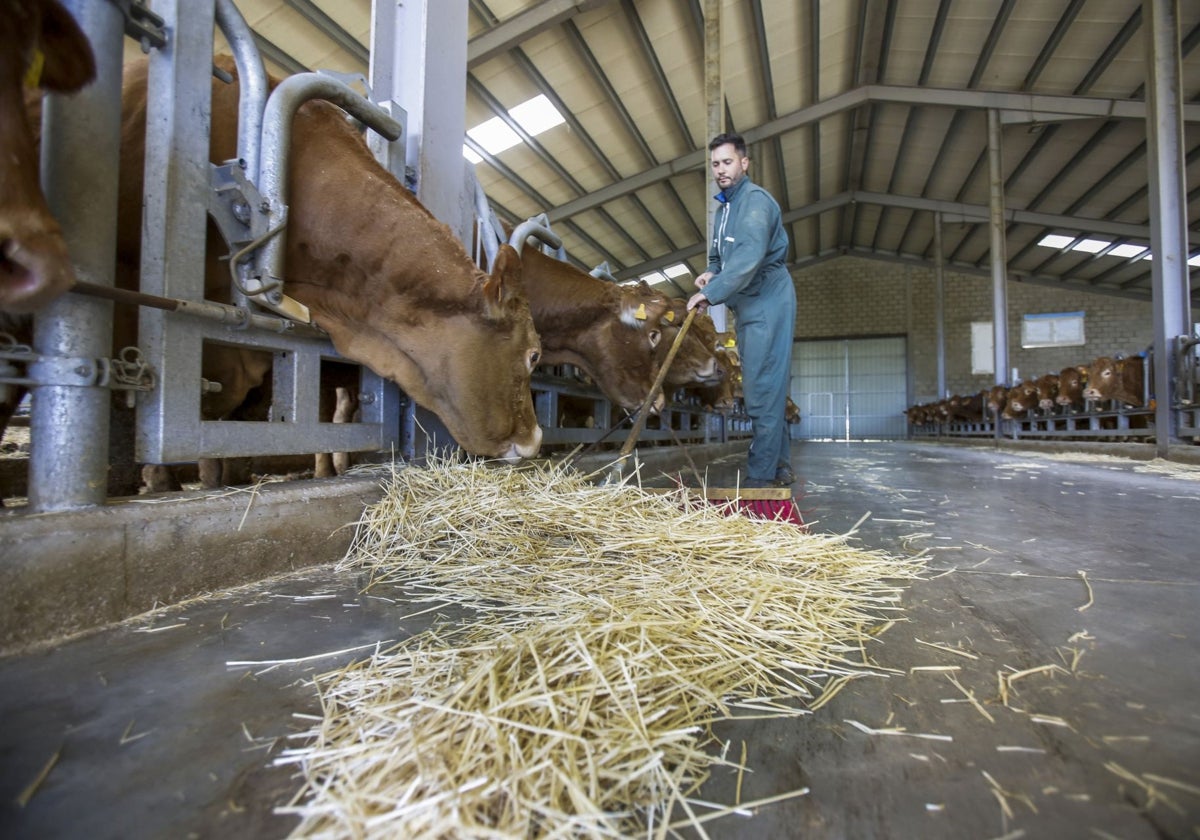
(504, 282)
(66, 53)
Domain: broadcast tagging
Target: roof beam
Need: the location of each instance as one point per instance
(521, 27)
(1023, 107)
(951, 211)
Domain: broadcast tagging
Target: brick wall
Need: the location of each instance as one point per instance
(852, 297)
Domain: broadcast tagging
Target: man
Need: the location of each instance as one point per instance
(746, 271)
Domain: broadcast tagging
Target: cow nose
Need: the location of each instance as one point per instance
(516, 450)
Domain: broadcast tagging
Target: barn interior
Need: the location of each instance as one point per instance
(975, 194)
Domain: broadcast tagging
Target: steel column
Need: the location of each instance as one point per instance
(419, 61)
(1168, 205)
(939, 303)
(999, 256)
(81, 138)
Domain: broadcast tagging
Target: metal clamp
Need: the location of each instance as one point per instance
(142, 25)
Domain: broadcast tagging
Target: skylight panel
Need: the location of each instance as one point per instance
(677, 270)
(1090, 246)
(494, 136)
(1056, 240)
(654, 277)
(536, 115)
(1127, 250)
(470, 155)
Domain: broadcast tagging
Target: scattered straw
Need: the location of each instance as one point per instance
(1091, 598)
(612, 628)
(946, 648)
(26, 795)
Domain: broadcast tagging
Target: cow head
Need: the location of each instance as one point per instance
(43, 48)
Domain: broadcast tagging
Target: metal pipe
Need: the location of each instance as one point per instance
(282, 105)
(222, 313)
(538, 228)
(81, 137)
(939, 303)
(1168, 205)
(603, 272)
(489, 237)
(999, 256)
(253, 85)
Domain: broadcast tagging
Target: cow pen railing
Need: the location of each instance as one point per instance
(176, 323)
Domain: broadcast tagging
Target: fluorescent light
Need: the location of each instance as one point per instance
(470, 155)
(494, 135)
(1127, 250)
(677, 270)
(1055, 240)
(1090, 246)
(536, 115)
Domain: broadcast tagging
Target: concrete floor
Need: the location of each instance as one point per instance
(148, 731)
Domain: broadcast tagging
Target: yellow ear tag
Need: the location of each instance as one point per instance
(33, 76)
(731, 342)
(640, 314)
(670, 316)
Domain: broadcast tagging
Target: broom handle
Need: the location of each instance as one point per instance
(640, 423)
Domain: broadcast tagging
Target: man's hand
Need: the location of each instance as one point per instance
(703, 279)
(697, 299)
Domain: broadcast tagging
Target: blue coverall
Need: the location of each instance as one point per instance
(747, 258)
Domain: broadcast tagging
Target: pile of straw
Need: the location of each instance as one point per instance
(613, 628)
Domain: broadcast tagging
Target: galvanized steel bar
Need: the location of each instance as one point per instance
(1168, 205)
(81, 138)
(282, 105)
(253, 86)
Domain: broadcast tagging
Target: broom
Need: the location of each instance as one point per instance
(774, 503)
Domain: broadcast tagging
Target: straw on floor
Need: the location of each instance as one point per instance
(613, 628)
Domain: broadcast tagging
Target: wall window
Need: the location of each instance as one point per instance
(983, 344)
(1052, 329)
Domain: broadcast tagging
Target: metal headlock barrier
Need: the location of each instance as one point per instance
(247, 200)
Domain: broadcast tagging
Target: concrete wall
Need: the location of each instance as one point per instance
(852, 297)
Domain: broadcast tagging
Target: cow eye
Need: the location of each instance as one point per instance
(655, 336)
(534, 358)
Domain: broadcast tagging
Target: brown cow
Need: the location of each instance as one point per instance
(996, 399)
(966, 409)
(1070, 387)
(1047, 391)
(41, 48)
(696, 361)
(420, 313)
(609, 332)
(1122, 380)
(1022, 398)
(791, 412)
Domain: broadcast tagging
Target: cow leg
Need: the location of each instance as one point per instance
(158, 478)
(210, 473)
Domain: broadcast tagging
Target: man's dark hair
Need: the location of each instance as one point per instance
(737, 140)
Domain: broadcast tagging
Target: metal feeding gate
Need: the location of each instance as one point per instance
(247, 201)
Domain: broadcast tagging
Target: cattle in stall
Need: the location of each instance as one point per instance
(1046, 386)
(791, 412)
(41, 49)
(609, 332)
(996, 400)
(391, 285)
(1122, 380)
(1022, 398)
(696, 361)
(1071, 381)
(966, 409)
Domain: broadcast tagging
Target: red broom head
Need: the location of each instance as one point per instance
(778, 510)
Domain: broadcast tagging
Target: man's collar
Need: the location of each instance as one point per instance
(726, 196)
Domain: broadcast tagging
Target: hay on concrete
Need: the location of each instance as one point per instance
(614, 627)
